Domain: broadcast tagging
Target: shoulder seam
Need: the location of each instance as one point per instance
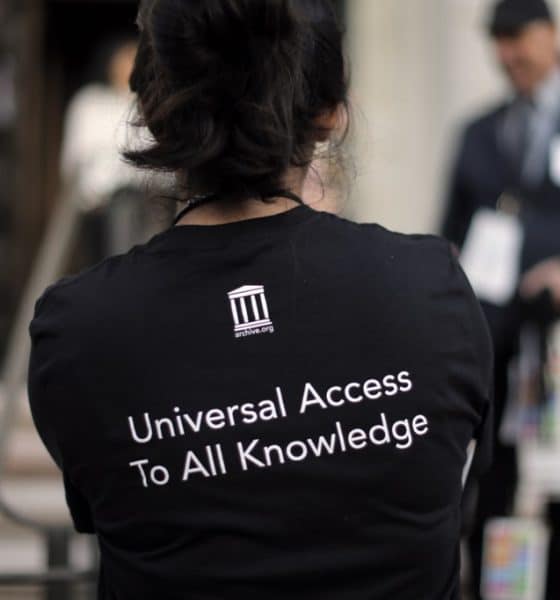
(69, 279)
(409, 236)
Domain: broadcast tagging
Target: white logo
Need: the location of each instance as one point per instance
(250, 311)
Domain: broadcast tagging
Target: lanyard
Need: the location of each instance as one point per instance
(198, 200)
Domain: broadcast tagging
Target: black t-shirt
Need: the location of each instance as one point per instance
(273, 408)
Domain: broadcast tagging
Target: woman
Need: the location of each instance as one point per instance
(265, 400)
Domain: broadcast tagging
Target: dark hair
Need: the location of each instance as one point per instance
(510, 17)
(231, 90)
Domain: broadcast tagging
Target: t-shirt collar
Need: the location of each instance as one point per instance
(209, 235)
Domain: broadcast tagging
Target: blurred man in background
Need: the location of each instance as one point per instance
(111, 194)
(503, 213)
(95, 126)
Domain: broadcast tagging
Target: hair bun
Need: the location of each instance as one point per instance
(209, 34)
(231, 89)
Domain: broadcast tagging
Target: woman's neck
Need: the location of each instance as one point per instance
(219, 213)
(215, 213)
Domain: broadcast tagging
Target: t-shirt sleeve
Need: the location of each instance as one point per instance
(49, 388)
(482, 349)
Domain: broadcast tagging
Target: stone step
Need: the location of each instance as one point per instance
(79, 592)
(24, 552)
(26, 456)
(23, 414)
(41, 499)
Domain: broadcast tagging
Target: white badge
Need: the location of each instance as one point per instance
(491, 255)
(554, 160)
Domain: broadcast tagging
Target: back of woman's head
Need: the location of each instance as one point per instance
(233, 91)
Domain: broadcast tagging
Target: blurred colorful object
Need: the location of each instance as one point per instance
(533, 411)
(550, 429)
(514, 559)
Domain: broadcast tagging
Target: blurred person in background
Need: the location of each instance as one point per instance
(503, 212)
(198, 391)
(108, 190)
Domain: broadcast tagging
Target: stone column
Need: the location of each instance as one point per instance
(419, 68)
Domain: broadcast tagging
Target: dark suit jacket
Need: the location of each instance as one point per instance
(480, 175)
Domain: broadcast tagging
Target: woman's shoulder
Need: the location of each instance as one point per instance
(74, 300)
(376, 229)
(424, 253)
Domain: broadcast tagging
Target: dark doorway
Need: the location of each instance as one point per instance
(54, 47)
(79, 37)
(75, 31)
